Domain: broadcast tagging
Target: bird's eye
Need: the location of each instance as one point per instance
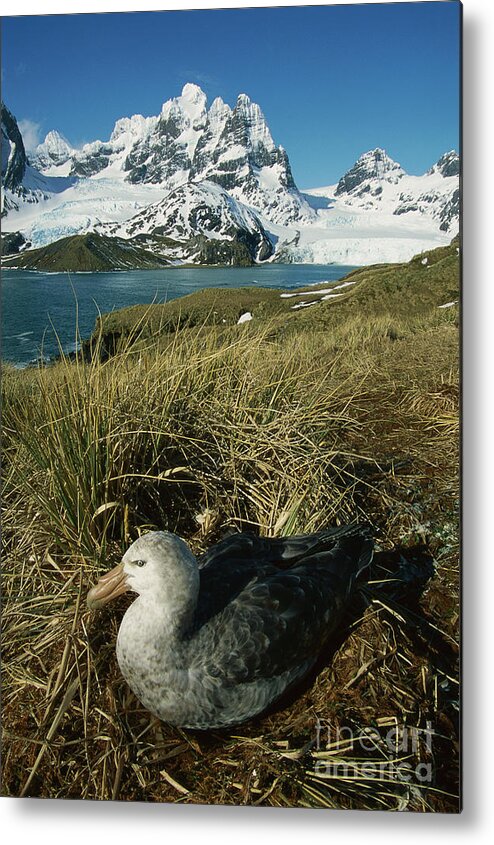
(140, 562)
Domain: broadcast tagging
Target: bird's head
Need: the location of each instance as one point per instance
(158, 564)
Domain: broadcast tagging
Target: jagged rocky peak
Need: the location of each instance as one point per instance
(194, 94)
(20, 181)
(237, 152)
(234, 142)
(372, 165)
(187, 112)
(231, 147)
(253, 123)
(134, 127)
(151, 149)
(14, 159)
(218, 113)
(55, 150)
(164, 153)
(186, 142)
(448, 165)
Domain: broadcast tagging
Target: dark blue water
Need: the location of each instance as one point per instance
(38, 307)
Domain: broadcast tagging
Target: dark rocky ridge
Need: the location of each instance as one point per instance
(13, 243)
(448, 164)
(94, 252)
(450, 211)
(375, 164)
(14, 159)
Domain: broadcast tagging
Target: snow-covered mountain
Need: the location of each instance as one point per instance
(376, 182)
(24, 188)
(194, 209)
(215, 174)
(21, 184)
(377, 212)
(185, 143)
(52, 153)
(236, 151)
(368, 174)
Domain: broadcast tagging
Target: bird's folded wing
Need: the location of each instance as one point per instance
(274, 625)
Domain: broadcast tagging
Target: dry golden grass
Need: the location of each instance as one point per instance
(261, 428)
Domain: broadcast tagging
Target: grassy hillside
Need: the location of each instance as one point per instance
(345, 409)
(427, 281)
(86, 253)
(393, 294)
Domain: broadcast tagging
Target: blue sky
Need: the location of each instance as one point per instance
(332, 81)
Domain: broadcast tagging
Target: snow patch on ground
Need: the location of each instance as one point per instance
(244, 318)
(331, 296)
(319, 292)
(303, 305)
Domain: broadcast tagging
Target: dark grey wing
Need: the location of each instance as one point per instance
(229, 566)
(246, 548)
(277, 619)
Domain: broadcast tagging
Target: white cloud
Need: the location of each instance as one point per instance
(31, 134)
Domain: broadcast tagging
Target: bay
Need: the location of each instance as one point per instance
(41, 310)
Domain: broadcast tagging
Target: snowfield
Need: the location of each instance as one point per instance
(80, 208)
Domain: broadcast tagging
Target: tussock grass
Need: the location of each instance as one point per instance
(281, 425)
(244, 426)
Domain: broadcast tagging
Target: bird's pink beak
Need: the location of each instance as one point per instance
(109, 586)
